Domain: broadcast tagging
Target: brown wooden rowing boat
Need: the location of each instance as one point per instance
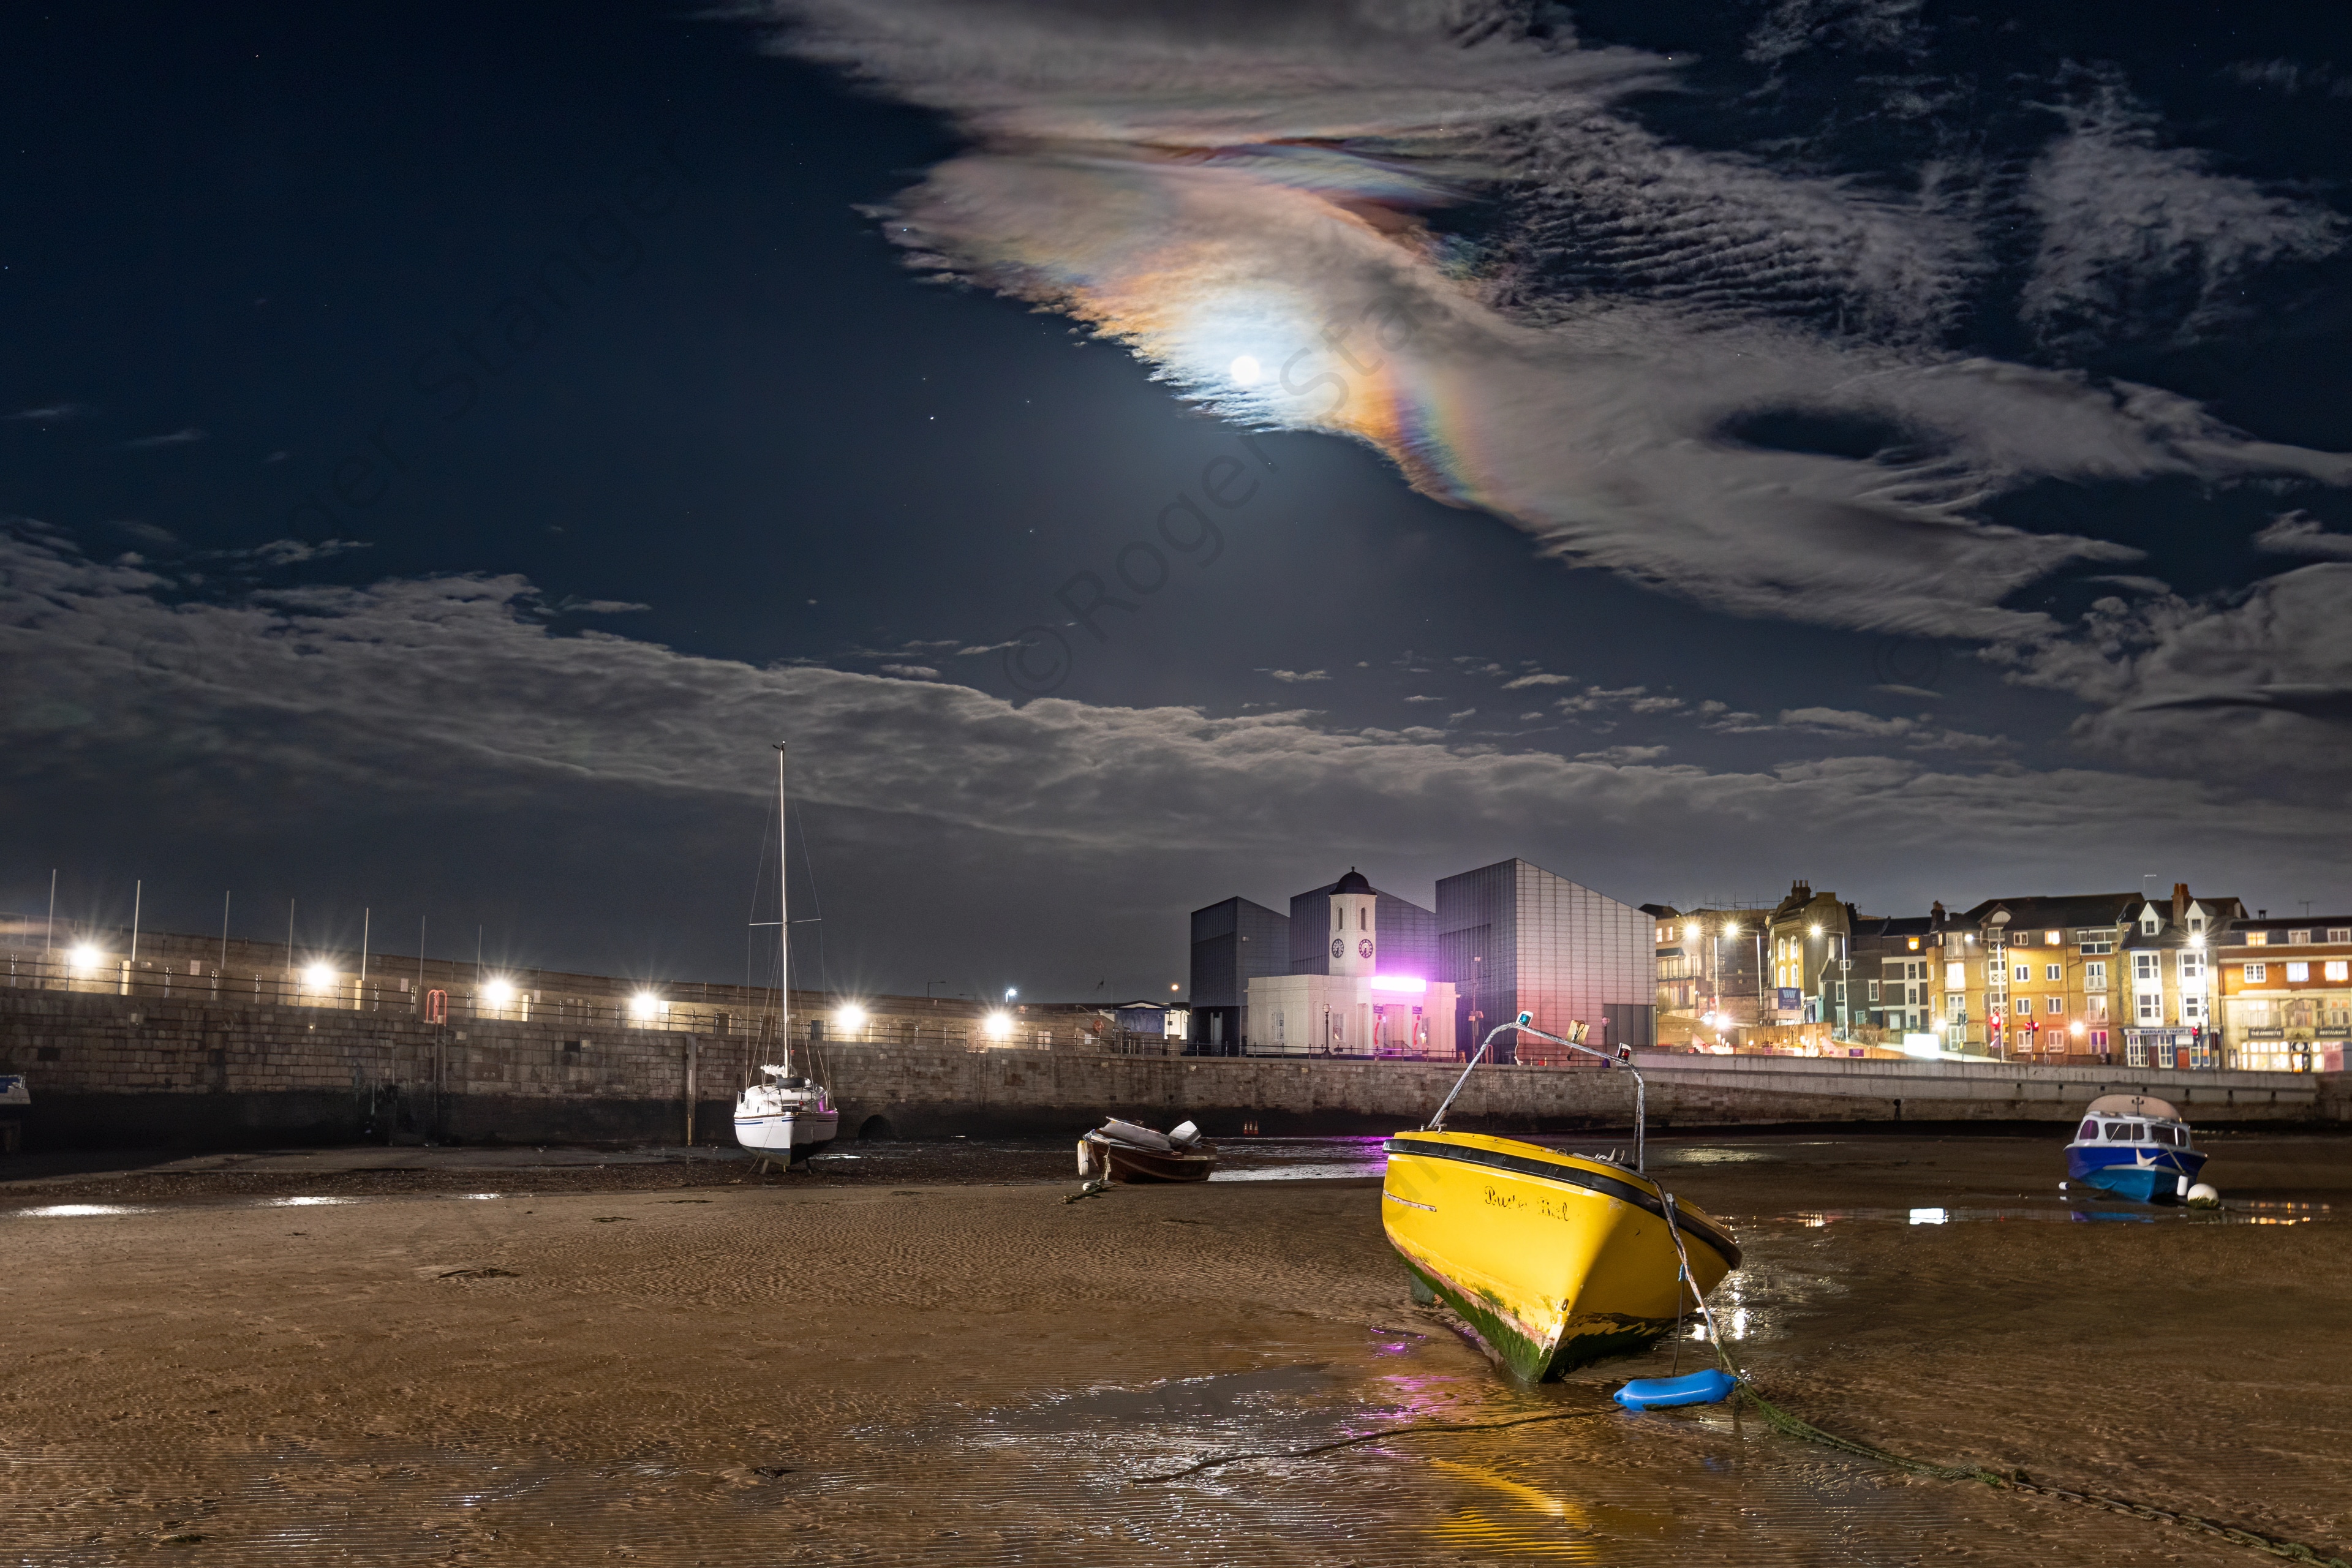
(1124, 1152)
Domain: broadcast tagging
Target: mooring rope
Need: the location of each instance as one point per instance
(1414, 1430)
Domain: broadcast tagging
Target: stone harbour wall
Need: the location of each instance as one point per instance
(115, 1072)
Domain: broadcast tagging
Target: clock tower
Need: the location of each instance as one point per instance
(1354, 940)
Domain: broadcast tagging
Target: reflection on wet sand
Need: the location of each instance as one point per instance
(979, 1374)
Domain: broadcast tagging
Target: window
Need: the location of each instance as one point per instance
(2192, 965)
(2150, 923)
(2297, 972)
(1959, 1008)
(2196, 923)
(2332, 937)
(1956, 976)
(2051, 972)
(2135, 1052)
(1873, 991)
(2119, 1132)
(2258, 939)
(2151, 1006)
(2144, 967)
(2340, 933)
(2090, 1131)
(2192, 1007)
(2098, 1039)
(2025, 1007)
(2054, 1006)
(2052, 938)
(2339, 969)
(2095, 977)
(2095, 941)
(2257, 974)
(2095, 1008)
(2025, 972)
(2298, 938)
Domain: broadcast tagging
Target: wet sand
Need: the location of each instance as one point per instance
(882, 1367)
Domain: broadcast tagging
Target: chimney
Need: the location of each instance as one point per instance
(2179, 900)
(1800, 891)
(1935, 914)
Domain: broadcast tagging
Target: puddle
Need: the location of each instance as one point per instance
(76, 1211)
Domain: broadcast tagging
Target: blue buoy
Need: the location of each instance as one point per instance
(1709, 1387)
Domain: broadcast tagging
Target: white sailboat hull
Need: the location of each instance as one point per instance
(796, 1133)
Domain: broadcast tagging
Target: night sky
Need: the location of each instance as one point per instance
(1141, 454)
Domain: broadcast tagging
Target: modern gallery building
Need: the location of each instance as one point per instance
(1403, 980)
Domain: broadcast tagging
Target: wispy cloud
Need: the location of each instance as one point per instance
(453, 690)
(1297, 675)
(2141, 239)
(183, 437)
(47, 413)
(2300, 533)
(1720, 374)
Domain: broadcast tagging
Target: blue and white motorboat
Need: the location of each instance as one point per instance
(2136, 1147)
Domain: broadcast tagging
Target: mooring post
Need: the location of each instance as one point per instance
(689, 1091)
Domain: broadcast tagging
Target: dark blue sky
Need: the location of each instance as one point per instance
(587, 318)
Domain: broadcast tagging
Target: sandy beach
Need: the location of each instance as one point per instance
(936, 1359)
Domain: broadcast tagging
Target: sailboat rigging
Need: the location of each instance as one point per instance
(785, 1114)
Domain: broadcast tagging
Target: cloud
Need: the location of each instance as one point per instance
(569, 605)
(1297, 675)
(1876, 26)
(47, 413)
(2259, 680)
(1539, 678)
(2300, 533)
(451, 691)
(2142, 241)
(911, 671)
(291, 552)
(1621, 756)
(1721, 375)
(184, 438)
(1424, 698)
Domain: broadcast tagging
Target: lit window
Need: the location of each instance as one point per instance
(2258, 939)
(2257, 974)
(2339, 969)
(2331, 936)
(2052, 938)
(2295, 972)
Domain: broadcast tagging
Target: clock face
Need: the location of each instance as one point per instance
(1364, 948)
(1338, 947)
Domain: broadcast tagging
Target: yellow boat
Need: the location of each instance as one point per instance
(1554, 1259)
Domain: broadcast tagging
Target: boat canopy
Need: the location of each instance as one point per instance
(2133, 1105)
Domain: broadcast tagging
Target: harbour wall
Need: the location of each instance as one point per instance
(114, 1072)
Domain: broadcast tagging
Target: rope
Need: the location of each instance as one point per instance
(1414, 1430)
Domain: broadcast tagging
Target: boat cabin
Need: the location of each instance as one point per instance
(2132, 1119)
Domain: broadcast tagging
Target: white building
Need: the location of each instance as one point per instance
(1357, 1009)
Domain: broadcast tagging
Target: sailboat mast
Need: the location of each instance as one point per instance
(783, 923)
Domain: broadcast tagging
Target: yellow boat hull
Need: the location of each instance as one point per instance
(1552, 1259)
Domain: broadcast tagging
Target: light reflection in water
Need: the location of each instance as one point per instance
(79, 1210)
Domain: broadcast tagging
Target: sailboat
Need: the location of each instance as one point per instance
(1554, 1259)
(786, 1115)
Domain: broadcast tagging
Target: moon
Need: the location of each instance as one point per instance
(1245, 370)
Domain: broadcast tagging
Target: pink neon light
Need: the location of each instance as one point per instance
(1398, 983)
